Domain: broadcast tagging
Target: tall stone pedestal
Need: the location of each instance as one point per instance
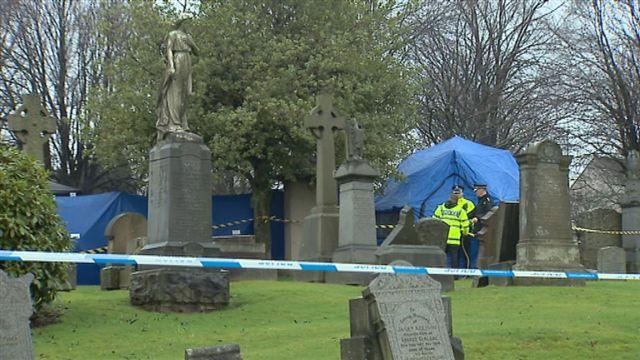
(179, 224)
(357, 230)
(546, 242)
(180, 198)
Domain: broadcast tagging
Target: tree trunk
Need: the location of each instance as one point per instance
(261, 202)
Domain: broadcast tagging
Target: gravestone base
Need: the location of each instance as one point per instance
(503, 266)
(352, 254)
(319, 240)
(181, 248)
(115, 277)
(180, 290)
(222, 352)
(550, 256)
(418, 255)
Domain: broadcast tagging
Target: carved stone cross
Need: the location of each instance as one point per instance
(32, 126)
(324, 121)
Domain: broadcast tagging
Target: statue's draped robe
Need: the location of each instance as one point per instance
(174, 93)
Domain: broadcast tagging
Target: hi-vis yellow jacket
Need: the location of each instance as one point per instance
(458, 220)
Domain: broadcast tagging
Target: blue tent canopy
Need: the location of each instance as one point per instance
(430, 173)
(87, 217)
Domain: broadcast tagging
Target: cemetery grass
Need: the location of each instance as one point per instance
(289, 320)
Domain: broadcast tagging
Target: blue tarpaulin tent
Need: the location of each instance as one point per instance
(430, 173)
(88, 216)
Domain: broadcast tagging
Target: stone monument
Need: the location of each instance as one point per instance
(179, 219)
(126, 234)
(320, 228)
(15, 310)
(401, 317)
(357, 230)
(590, 243)
(32, 126)
(426, 249)
(546, 241)
(631, 212)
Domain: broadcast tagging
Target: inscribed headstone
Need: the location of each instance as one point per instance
(412, 322)
(15, 310)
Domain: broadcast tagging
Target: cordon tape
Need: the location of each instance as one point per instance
(100, 259)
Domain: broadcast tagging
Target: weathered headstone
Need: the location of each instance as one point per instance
(244, 247)
(222, 352)
(631, 212)
(32, 126)
(124, 233)
(399, 317)
(611, 259)
(15, 310)
(546, 241)
(179, 218)
(404, 232)
(589, 242)
(426, 249)
(320, 229)
(357, 230)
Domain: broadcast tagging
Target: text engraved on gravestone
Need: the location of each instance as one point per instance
(551, 221)
(413, 316)
(363, 211)
(15, 310)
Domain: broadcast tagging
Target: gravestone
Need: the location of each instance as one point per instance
(244, 247)
(357, 228)
(631, 212)
(222, 352)
(32, 126)
(179, 217)
(611, 259)
(546, 241)
(400, 317)
(590, 243)
(124, 234)
(320, 228)
(15, 310)
(426, 249)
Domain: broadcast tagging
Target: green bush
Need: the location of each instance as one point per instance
(29, 221)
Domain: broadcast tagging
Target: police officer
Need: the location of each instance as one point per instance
(453, 213)
(484, 206)
(468, 206)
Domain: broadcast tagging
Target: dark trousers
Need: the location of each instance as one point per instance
(452, 256)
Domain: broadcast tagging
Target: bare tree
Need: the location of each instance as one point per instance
(484, 69)
(55, 49)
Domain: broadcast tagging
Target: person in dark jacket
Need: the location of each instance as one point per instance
(483, 206)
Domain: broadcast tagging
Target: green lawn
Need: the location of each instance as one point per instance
(289, 320)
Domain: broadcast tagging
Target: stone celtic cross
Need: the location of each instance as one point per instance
(32, 126)
(324, 121)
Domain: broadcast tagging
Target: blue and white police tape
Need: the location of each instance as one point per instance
(38, 256)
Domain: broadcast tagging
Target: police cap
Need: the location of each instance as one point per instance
(456, 189)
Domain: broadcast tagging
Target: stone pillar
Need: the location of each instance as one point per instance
(180, 197)
(631, 213)
(357, 230)
(179, 224)
(546, 241)
(320, 228)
